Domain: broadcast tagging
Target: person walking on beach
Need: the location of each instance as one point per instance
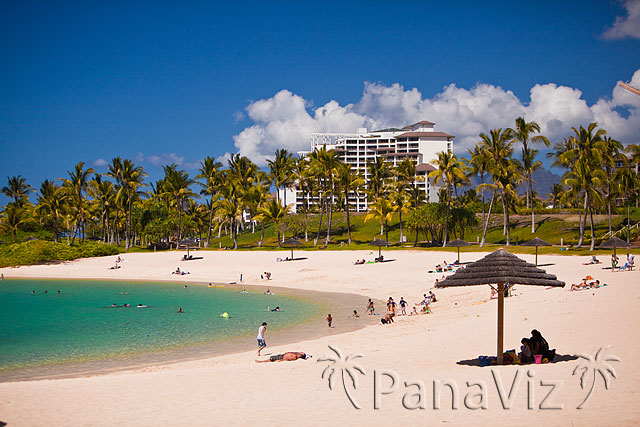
(329, 319)
(262, 330)
(403, 306)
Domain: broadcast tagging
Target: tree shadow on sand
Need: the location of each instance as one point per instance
(476, 362)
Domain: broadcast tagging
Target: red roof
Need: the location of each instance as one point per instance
(424, 134)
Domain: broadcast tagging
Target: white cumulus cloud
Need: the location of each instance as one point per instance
(286, 120)
(626, 26)
(98, 163)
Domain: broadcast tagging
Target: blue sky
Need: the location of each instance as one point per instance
(174, 82)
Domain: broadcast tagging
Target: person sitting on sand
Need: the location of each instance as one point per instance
(539, 345)
(355, 313)
(289, 356)
(432, 296)
(525, 354)
(177, 271)
(414, 311)
(387, 318)
(614, 263)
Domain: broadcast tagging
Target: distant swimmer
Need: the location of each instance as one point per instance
(273, 309)
(113, 305)
(125, 305)
(180, 310)
(33, 292)
(2, 276)
(58, 290)
(268, 292)
(225, 315)
(141, 306)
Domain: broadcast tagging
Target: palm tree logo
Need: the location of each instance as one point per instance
(596, 365)
(344, 364)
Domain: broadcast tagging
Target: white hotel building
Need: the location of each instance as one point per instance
(419, 142)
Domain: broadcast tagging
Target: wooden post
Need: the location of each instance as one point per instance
(500, 322)
(536, 256)
(458, 254)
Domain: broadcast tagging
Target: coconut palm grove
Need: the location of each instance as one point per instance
(233, 206)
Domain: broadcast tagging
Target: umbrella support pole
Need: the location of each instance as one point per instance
(536, 256)
(291, 254)
(500, 322)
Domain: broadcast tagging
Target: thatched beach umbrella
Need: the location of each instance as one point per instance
(379, 243)
(536, 242)
(292, 243)
(456, 244)
(501, 268)
(614, 242)
(188, 243)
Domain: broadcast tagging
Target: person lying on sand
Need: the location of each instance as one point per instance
(289, 356)
(593, 260)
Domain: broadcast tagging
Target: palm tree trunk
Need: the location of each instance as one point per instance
(482, 195)
(315, 241)
(506, 216)
(330, 219)
(348, 223)
(210, 223)
(400, 218)
(628, 219)
(446, 223)
(583, 223)
(533, 213)
(593, 237)
(386, 229)
(486, 224)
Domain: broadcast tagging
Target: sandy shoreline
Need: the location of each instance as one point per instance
(417, 349)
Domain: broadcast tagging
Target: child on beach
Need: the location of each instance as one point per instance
(370, 308)
(403, 306)
(329, 320)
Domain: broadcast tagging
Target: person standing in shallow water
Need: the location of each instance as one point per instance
(329, 319)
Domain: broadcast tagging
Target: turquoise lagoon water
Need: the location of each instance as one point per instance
(78, 325)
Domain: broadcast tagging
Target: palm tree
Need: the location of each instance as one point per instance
(129, 178)
(451, 172)
(523, 133)
(585, 156)
(210, 172)
(17, 189)
(281, 171)
(104, 193)
(610, 156)
(323, 163)
(14, 217)
(401, 204)
(382, 209)
(379, 175)
(177, 185)
(407, 178)
(556, 194)
(52, 201)
(275, 212)
(498, 147)
(229, 209)
(477, 165)
(77, 184)
(629, 183)
(348, 181)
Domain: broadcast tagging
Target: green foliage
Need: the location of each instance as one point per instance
(41, 251)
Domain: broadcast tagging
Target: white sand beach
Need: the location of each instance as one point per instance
(418, 350)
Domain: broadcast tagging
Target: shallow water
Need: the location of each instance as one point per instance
(78, 324)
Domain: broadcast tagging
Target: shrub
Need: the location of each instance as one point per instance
(42, 251)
